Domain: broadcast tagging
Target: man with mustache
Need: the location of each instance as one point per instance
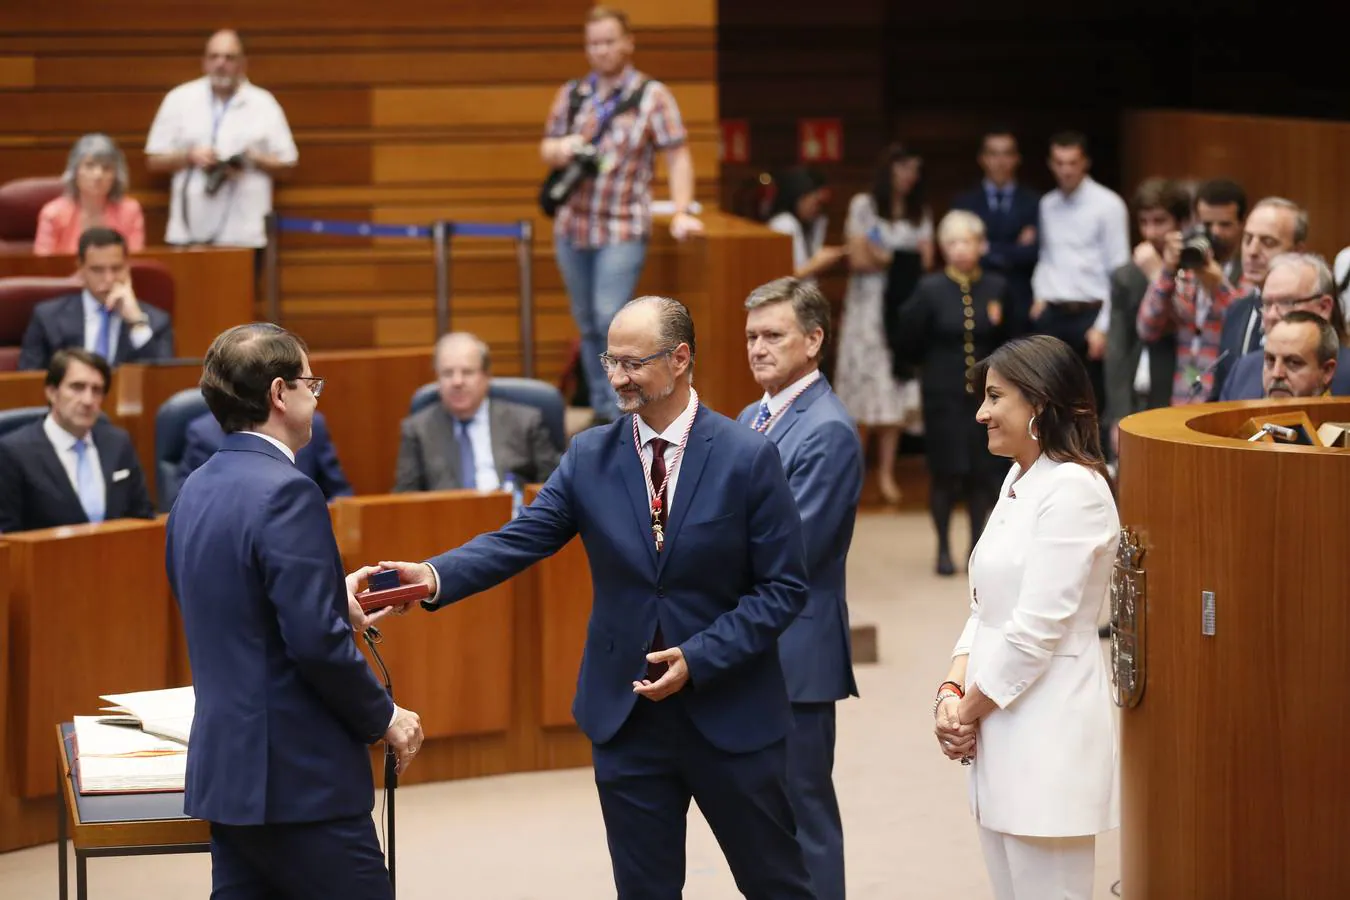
(1300, 357)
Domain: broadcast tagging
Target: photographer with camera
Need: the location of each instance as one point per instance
(224, 139)
(603, 133)
(1198, 280)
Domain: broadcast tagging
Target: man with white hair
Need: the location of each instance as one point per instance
(224, 139)
(1295, 282)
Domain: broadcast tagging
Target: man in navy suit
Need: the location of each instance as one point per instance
(318, 459)
(286, 709)
(105, 318)
(786, 331)
(697, 567)
(73, 466)
(1010, 213)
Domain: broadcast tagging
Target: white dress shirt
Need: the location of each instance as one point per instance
(480, 436)
(93, 320)
(804, 246)
(1085, 236)
(274, 442)
(252, 119)
(673, 434)
(64, 442)
(780, 399)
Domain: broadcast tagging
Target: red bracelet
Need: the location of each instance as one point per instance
(954, 686)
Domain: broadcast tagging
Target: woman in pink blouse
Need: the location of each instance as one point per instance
(96, 183)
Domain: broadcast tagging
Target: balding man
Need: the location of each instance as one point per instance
(1300, 357)
(224, 139)
(697, 566)
(1274, 226)
(1295, 283)
(468, 440)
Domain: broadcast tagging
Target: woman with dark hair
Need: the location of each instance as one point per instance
(799, 211)
(1027, 701)
(889, 236)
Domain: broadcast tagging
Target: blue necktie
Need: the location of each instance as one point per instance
(468, 469)
(86, 483)
(762, 417)
(104, 333)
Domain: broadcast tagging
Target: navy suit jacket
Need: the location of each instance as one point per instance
(1244, 381)
(1014, 261)
(730, 579)
(317, 459)
(59, 325)
(823, 460)
(286, 704)
(1238, 340)
(35, 491)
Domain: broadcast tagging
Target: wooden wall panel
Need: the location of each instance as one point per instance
(1301, 159)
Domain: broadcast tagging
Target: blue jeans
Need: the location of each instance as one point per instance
(599, 280)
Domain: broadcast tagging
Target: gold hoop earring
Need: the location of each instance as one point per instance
(1030, 433)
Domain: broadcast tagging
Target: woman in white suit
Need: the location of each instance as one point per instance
(1027, 702)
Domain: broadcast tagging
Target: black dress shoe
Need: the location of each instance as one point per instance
(944, 564)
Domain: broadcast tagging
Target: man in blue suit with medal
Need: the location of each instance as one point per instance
(787, 329)
(697, 566)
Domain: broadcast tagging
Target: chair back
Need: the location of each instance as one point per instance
(14, 419)
(153, 282)
(171, 425)
(18, 297)
(20, 202)
(528, 391)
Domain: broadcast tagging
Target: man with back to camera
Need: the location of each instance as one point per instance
(286, 706)
(601, 231)
(696, 558)
(786, 333)
(105, 317)
(74, 466)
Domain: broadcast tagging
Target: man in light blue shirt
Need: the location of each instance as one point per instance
(1085, 236)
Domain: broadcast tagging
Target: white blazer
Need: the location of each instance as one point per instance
(1047, 760)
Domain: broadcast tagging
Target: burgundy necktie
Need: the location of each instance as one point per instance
(658, 445)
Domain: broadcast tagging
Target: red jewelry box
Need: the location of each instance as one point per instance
(405, 593)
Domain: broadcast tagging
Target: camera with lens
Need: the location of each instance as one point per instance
(217, 175)
(1197, 245)
(584, 164)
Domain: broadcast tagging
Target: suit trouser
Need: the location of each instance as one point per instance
(335, 860)
(1039, 868)
(647, 774)
(810, 752)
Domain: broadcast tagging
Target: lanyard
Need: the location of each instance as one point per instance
(658, 533)
(768, 423)
(218, 110)
(604, 109)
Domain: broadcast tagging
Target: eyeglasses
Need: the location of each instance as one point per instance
(630, 365)
(1285, 306)
(315, 384)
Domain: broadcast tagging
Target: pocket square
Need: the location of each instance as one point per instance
(120, 474)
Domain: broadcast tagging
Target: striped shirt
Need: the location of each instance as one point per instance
(615, 206)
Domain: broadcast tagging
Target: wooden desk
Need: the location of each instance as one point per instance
(89, 614)
(19, 389)
(213, 288)
(472, 671)
(564, 614)
(143, 824)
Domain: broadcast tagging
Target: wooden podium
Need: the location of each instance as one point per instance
(1232, 778)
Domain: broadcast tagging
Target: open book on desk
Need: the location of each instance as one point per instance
(165, 714)
(114, 759)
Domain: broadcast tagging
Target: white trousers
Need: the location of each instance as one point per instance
(1039, 868)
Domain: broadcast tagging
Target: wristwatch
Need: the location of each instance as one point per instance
(132, 323)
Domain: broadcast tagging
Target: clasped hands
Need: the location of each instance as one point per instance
(957, 740)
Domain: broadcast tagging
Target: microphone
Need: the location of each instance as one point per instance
(1198, 384)
(1279, 431)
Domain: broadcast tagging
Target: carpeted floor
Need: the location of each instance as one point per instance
(528, 837)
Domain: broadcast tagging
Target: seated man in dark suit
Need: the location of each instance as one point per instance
(1299, 289)
(74, 466)
(105, 318)
(467, 440)
(318, 459)
(1011, 213)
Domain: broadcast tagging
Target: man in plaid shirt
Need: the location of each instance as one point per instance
(1193, 303)
(601, 232)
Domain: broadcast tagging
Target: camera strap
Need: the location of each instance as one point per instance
(618, 102)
